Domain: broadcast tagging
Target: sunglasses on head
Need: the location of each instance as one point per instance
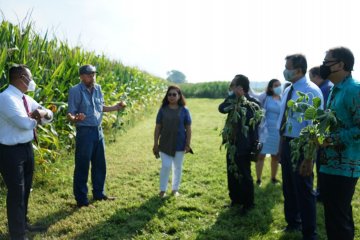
(172, 94)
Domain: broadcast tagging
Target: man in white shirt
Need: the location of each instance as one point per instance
(19, 116)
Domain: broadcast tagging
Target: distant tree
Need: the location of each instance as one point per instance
(176, 76)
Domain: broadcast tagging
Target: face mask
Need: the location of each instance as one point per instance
(289, 74)
(230, 93)
(31, 86)
(325, 71)
(277, 90)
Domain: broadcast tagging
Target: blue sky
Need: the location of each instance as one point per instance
(207, 40)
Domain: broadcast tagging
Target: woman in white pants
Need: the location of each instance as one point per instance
(172, 137)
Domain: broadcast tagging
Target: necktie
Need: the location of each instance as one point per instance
(283, 120)
(27, 111)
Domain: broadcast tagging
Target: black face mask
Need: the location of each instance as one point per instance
(325, 71)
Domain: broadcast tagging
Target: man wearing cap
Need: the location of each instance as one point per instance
(19, 116)
(86, 107)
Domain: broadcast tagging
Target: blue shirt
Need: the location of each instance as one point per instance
(293, 126)
(185, 119)
(91, 104)
(344, 157)
(325, 89)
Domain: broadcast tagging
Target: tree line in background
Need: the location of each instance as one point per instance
(54, 65)
(217, 89)
(205, 90)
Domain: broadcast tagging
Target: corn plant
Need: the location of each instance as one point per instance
(54, 65)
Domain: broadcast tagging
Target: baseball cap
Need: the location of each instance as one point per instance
(87, 69)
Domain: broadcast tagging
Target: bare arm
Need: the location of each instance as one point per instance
(116, 107)
(188, 138)
(156, 140)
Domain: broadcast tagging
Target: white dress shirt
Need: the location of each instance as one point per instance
(15, 124)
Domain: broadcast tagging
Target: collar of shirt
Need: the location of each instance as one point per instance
(325, 83)
(15, 91)
(299, 83)
(84, 88)
(342, 83)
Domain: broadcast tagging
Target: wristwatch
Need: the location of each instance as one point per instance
(47, 116)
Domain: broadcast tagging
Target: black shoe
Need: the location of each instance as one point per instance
(81, 205)
(35, 228)
(235, 204)
(292, 229)
(232, 205)
(258, 182)
(246, 209)
(105, 198)
(275, 181)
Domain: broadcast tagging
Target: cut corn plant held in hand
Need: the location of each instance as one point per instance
(237, 112)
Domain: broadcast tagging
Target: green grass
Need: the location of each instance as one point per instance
(133, 176)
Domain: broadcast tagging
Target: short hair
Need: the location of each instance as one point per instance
(298, 61)
(344, 55)
(243, 81)
(315, 71)
(16, 71)
(270, 85)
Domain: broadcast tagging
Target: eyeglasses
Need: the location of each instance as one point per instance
(235, 86)
(27, 78)
(172, 94)
(329, 61)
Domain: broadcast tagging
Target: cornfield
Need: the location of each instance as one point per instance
(54, 66)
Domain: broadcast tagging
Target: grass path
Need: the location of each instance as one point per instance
(133, 177)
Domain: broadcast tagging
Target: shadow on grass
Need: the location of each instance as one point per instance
(230, 224)
(125, 223)
(45, 222)
(55, 217)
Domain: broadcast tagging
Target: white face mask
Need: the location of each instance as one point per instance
(31, 86)
(230, 92)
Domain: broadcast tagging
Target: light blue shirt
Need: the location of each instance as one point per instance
(91, 104)
(293, 126)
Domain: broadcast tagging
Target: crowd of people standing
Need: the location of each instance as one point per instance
(337, 161)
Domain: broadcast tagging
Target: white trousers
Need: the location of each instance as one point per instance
(176, 163)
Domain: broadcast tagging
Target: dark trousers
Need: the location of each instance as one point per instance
(299, 197)
(17, 167)
(90, 148)
(319, 154)
(240, 181)
(337, 193)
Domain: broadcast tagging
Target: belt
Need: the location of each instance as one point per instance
(286, 138)
(16, 145)
(89, 127)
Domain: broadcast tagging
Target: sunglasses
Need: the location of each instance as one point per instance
(330, 61)
(172, 94)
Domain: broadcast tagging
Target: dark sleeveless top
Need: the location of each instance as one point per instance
(169, 130)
